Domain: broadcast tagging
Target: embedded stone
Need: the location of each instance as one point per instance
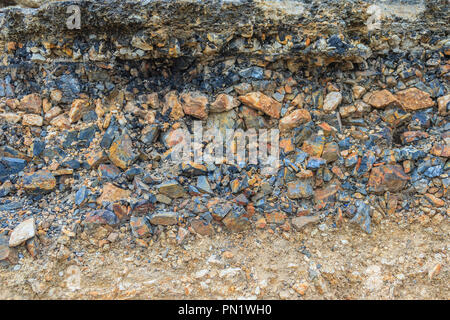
(294, 119)
(261, 102)
(121, 152)
(300, 189)
(380, 99)
(414, 99)
(387, 178)
(111, 193)
(165, 218)
(39, 181)
(24, 231)
(332, 101)
(101, 217)
(171, 189)
(172, 104)
(224, 102)
(31, 103)
(32, 120)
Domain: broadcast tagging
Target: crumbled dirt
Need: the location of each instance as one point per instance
(397, 261)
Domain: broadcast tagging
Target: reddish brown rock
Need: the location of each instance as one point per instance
(194, 104)
(52, 113)
(172, 103)
(261, 102)
(224, 102)
(31, 103)
(294, 119)
(441, 150)
(121, 152)
(414, 99)
(380, 99)
(326, 195)
(202, 227)
(61, 122)
(32, 120)
(79, 106)
(387, 178)
(412, 136)
(111, 193)
(39, 181)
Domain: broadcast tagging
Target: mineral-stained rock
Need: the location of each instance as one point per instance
(111, 193)
(414, 99)
(441, 150)
(121, 152)
(387, 178)
(235, 221)
(165, 218)
(171, 189)
(32, 120)
(96, 157)
(294, 119)
(202, 227)
(326, 195)
(24, 231)
(172, 103)
(62, 122)
(261, 102)
(101, 217)
(332, 101)
(330, 152)
(140, 227)
(314, 145)
(77, 109)
(380, 99)
(194, 104)
(224, 102)
(362, 216)
(300, 189)
(31, 103)
(300, 222)
(39, 181)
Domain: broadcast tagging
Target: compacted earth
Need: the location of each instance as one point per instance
(93, 204)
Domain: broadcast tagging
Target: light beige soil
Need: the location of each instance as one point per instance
(397, 261)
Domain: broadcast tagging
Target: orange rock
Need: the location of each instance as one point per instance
(387, 178)
(224, 102)
(61, 122)
(441, 150)
(414, 99)
(261, 102)
(172, 103)
(380, 99)
(111, 193)
(77, 109)
(32, 120)
(31, 103)
(443, 105)
(194, 104)
(294, 119)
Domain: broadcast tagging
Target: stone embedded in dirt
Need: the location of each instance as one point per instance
(111, 193)
(7, 253)
(413, 99)
(314, 146)
(236, 221)
(363, 216)
(387, 178)
(413, 136)
(224, 102)
(121, 152)
(261, 102)
(31, 103)
(441, 150)
(96, 157)
(202, 227)
(101, 217)
(61, 122)
(332, 101)
(172, 104)
(164, 218)
(300, 189)
(11, 117)
(444, 105)
(300, 222)
(140, 227)
(78, 108)
(171, 189)
(39, 181)
(330, 152)
(194, 104)
(24, 231)
(380, 99)
(32, 120)
(326, 195)
(358, 91)
(294, 119)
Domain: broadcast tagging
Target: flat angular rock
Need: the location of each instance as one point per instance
(172, 189)
(140, 227)
(332, 101)
(39, 181)
(300, 189)
(101, 217)
(121, 152)
(224, 102)
(294, 119)
(24, 231)
(414, 99)
(235, 221)
(31, 103)
(387, 178)
(194, 104)
(261, 102)
(111, 193)
(380, 99)
(300, 222)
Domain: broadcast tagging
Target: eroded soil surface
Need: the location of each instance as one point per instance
(397, 261)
